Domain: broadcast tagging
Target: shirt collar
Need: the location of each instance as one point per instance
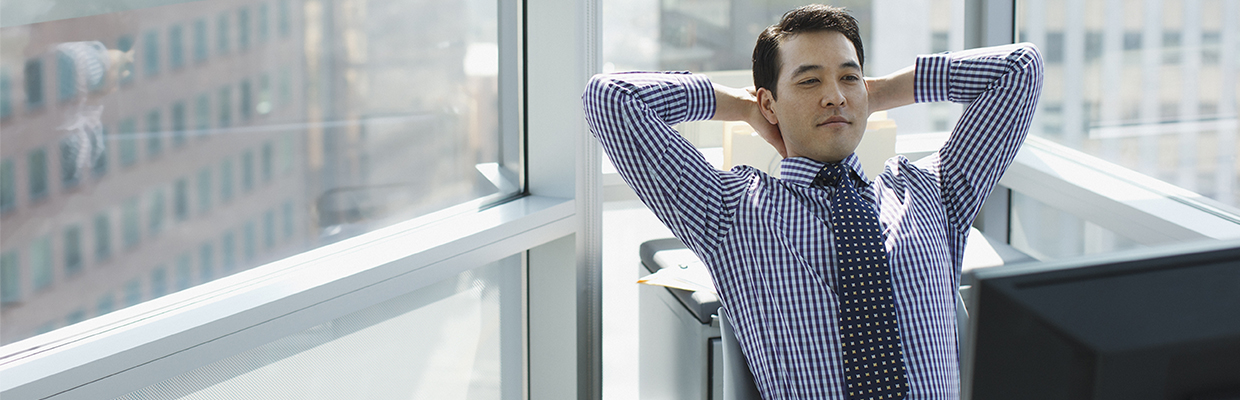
(802, 171)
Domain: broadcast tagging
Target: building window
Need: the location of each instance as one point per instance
(34, 83)
(288, 220)
(6, 94)
(66, 77)
(221, 32)
(127, 141)
(155, 133)
(106, 304)
(133, 292)
(176, 47)
(269, 229)
(204, 190)
(226, 180)
(225, 106)
(36, 162)
(8, 186)
(202, 112)
(250, 240)
(268, 161)
(247, 106)
(200, 40)
(100, 165)
(41, 262)
(71, 156)
(263, 16)
(185, 272)
(157, 212)
(243, 29)
(73, 250)
(150, 53)
(125, 44)
(131, 231)
(286, 154)
(178, 123)
(264, 94)
(247, 171)
(284, 19)
(180, 197)
(206, 262)
(10, 278)
(103, 237)
(286, 87)
(228, 253)
(159, 282)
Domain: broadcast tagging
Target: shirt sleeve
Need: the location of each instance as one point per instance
(1000, 86)
(632, 115)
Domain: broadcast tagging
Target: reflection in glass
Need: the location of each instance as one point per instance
(243, 132)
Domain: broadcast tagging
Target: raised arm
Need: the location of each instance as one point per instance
(742, 105)
(632, 115)
(1001, 87)
(891, 91)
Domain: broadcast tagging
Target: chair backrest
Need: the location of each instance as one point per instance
(738, 383)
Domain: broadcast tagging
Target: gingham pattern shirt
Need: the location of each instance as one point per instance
(767, 241)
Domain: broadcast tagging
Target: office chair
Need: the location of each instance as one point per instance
(738, 381)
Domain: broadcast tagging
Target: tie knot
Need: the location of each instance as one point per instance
(833, 175)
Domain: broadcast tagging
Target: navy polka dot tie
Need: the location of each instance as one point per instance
(869, 332)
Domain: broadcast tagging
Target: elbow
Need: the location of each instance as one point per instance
(597, 89)
(1026, 60)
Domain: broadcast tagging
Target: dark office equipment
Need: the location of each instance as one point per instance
(1138, 326)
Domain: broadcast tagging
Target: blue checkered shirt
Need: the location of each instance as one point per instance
(767, 241)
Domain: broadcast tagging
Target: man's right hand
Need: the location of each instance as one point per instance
(732, 104)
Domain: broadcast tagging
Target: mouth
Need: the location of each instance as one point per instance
(835, 121)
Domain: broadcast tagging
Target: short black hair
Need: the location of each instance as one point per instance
(808, 18)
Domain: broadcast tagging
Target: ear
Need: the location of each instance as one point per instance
(766, 103)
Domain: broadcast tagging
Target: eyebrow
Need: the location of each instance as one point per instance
(812, 67)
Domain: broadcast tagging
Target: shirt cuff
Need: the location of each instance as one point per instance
(699, 97)
(932, 78)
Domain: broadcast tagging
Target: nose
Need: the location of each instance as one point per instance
(832, 96)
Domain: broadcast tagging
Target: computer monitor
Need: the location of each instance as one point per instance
(1155, 324)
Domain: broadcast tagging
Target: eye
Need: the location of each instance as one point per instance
(851, 78)
(809, 81)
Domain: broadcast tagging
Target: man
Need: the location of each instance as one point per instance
(837, 286)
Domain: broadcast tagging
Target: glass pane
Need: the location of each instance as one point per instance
(717, 37)
(1149, 85)
(459, 338)
(241, 132)
(1046, 233)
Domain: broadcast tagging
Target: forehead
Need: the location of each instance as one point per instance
(827, 49)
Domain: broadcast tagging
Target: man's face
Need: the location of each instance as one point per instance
(823, 104)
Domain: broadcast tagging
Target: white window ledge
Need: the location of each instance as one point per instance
(1133, 205)
(142, 345)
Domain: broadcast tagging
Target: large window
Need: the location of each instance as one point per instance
(1150, 86)
(246, 131)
